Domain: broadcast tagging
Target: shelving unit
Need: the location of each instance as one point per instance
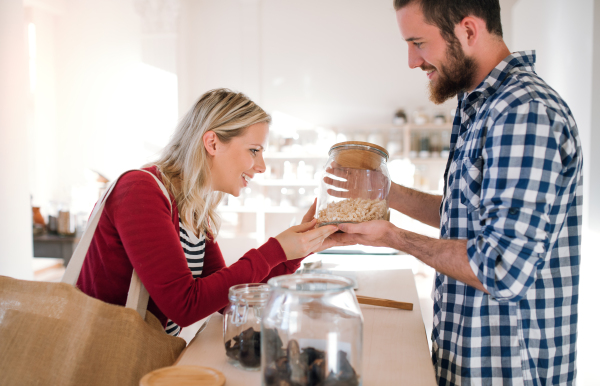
(282, 182)
(262, 187)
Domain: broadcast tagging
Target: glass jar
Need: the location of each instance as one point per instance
(358, 186)
(241, 324)
(312, 332)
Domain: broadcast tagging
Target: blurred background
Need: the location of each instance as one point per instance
(91, 88)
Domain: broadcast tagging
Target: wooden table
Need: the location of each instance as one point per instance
(395, 350)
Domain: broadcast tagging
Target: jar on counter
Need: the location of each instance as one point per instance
(356, 184)
(241, 324)
(312, 332)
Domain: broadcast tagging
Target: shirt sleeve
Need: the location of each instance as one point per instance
(526, 154)
(145, 226)
(216, 261)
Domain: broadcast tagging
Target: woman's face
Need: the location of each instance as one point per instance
(235, 163)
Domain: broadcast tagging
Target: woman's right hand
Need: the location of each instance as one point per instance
(301, 240)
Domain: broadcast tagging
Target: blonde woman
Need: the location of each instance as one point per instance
(216, 149)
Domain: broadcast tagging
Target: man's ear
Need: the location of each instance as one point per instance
(468, 30)
(210, 142)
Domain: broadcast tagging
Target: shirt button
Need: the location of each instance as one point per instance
(513, 211)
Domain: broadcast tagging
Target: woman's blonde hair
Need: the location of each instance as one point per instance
(184, 161)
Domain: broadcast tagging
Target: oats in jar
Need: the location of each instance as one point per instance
(353, 210)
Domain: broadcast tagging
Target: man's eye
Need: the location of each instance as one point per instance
(418, 45)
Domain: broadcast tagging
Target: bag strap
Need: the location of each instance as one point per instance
(137, 297)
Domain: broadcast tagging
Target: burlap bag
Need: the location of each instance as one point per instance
(53, 334)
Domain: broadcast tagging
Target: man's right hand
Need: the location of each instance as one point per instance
(356, 183)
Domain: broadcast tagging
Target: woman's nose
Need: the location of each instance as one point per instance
(259, 165)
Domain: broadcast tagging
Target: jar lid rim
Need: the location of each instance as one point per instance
(369, 145)
(345, 283)
(253, 292)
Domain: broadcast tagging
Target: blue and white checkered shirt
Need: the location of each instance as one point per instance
(514, 191)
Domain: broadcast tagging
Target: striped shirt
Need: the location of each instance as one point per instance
(193, 248)
(513, 189)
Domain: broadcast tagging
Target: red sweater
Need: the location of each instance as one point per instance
(137, 230)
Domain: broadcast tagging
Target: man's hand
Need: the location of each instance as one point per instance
(377, 233)
(357, 183)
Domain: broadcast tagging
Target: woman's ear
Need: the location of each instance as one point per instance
(210, 142)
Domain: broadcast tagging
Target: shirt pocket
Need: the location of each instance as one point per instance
(470, 182)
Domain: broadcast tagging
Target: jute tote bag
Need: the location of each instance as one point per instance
(53, 334)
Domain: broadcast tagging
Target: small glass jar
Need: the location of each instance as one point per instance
(312, 332)
(356, 184)
(241, 324)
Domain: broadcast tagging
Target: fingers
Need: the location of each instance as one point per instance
(341, 239)
(311, 212)
(351, 228)
(322, 232)
(305, 226)
(336, 183)
(337, 193)
(319, 236)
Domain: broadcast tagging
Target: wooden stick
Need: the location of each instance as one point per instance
(384, 303)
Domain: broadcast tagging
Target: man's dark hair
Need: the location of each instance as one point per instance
(445, 14)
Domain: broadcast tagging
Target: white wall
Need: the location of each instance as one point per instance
(594, 143)
(44, 173)
(562, 32)
(15, 211)
(328, 62)
(97, 104)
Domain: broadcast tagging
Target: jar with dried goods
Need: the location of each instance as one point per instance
(355, 186)
(241, 324)
(312, 332)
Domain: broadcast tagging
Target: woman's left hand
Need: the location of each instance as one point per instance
(311, 213)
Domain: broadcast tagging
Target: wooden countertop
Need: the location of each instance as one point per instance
(395, 349)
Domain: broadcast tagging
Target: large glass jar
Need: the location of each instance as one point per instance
(312, 332)
(241, 324)
(355, 186)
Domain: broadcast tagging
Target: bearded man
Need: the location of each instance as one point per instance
(507, 260)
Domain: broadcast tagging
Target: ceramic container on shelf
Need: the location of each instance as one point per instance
(312, 332)
(355, 184)
(241, 324)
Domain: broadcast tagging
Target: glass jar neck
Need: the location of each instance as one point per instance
(312, 284)
(250, 294)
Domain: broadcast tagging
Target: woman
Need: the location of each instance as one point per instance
(217, 148)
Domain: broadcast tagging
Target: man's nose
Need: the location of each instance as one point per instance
(414, 58)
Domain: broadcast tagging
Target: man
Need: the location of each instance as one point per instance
(507, 261)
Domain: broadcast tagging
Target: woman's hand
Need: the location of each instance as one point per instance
(310, 215)
(300, 240)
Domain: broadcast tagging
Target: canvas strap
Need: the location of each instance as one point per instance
(137, 297)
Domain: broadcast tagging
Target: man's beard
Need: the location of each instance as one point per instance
(454, 76)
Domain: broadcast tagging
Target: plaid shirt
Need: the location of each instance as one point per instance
(513, 190)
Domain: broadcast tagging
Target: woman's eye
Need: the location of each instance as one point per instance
(254, 151)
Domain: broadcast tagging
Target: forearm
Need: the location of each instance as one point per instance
(448, 257)
(421, 206)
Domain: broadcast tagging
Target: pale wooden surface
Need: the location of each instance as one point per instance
(184, 376)
(395, 349)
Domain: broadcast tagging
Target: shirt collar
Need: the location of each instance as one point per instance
(523, 59)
